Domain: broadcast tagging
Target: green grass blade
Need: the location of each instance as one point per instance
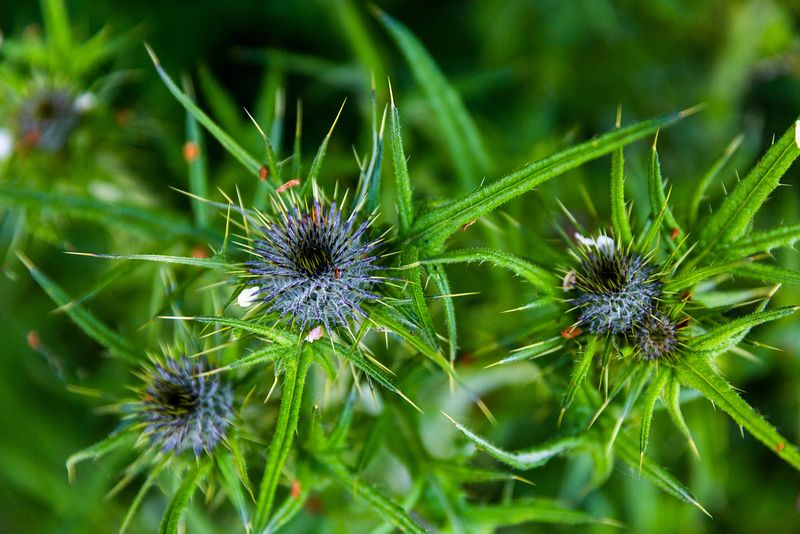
(93, 327)
(208, 263)
(56, 25)
(283, 435)
(733, 217)
(712, 174)
(162, 222)
(198, 170)
(725, 337)
(235, 150)
(540, 278)
(436, 225)
(459, 133)
(112, 442)
(525, 511)
(152, 476)
(525, 459)
(382, 505)
(405, 205)
(179, 502)
(695, 371)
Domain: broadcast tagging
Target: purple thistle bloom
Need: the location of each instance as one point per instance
(46, 119)
(656, 337)
(184, 410)
(313, 267)
(616, 290)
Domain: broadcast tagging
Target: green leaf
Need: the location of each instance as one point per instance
(385, 507)
(764, 241)
(619, 212)
(537, 276)
(198, 171)
(529, 511)
(405, 204)
(579, 372)
(152, 476)
(627, 451)
(101, 448)
(459, 133)
(772, 274)
(725, 336)
(525, 459)
(712, 174)
(696, 276)
(179, 502)
(443, 285)
(731, 220)
(267, 354)
(436, 225)
(283, 435)
(658, 200)
(650, 398)
(672, 400)
(93, 327)
(233, 486)
(695, 371)
(56, 25)
(316, 163)
(208, 263)
(161, 223)
(241, 155)
(273, 334)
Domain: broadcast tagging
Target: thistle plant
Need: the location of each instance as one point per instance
(315, 368)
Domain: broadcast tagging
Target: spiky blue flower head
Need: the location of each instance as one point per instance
(46, 119)
(656, 337)
(183, 408)
(616, 289)
(313, 266)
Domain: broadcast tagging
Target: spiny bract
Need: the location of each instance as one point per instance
(184, 408)
(46, 119)
(656, 337)
(313, 267)
(616, 289)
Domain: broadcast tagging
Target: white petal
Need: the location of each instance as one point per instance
(315, 334)
(248, 296)
(6, 143)
(603, 242)
(85, 102)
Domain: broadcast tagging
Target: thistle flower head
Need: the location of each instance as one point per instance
(184, 409)
(47, 118)
(656, 337)
(615, 289)
(313, 266)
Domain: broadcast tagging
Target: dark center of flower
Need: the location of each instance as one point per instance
(46, 109)
(174, 398)
(313, 258)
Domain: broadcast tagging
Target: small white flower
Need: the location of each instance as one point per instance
(315, 334)
(85, 102)
(6, 143)
(248, 297)
(601, 243)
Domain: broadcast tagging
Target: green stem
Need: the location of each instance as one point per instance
(288, 415)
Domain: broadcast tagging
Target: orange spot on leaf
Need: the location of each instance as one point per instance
(288, 185)
(190, 151)
(571, 332)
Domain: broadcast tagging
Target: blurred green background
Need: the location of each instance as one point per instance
(536, 75)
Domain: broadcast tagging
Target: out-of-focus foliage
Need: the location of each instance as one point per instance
(482, 89)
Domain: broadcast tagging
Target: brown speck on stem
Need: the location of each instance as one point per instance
(674, 233)
(34, 341)
(466, 226)
(191, 151)
(296, 489)
(200, 252)
(288, 185)
(571, 332)
(263, 173)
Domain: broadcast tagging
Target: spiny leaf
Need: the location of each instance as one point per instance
(405, 205)
(459, 133)
(112, 442)
(711, 175)
(672, 401)
(247, 161)
(283, 435)
(436, 225)
(626, 450)
(93, 327)
(443, 285)
(658, 200)
(316, 163)
(579, 372)
(653, 392)
(179, 502)
(233, 486)
(525, 459)
(208, 263)
(152, 476)
(764, 241)
(772, 274)
(695, 371)
(619, 212)
(731, 220)
(273, 334)
(385, 507)
(719, 339)
(540, 278)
